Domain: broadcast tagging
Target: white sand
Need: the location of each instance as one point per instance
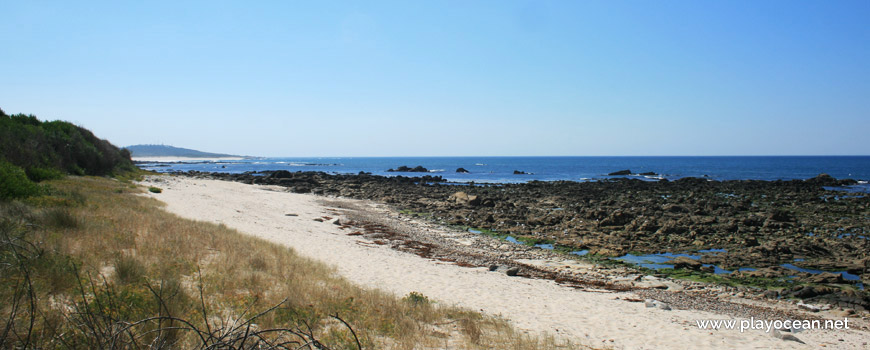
(183, 159)
(596, 319)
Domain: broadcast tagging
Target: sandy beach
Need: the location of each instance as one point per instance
(594, 318)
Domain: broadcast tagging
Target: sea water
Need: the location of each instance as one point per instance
(501, 169)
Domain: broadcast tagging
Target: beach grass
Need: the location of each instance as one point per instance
(93, 263)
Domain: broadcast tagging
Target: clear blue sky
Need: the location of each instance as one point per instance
(427, 78)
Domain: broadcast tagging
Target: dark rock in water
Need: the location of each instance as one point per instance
(403, 168)
(517, 172)
(513, 271)
(823, 180)
(683, 262)
(648, 173)
(462, 170)
(621, 172)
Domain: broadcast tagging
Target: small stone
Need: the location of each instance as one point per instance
(788, 337)
(513, 271)
(493, 267)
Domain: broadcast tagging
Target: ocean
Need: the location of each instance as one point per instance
(501, 169)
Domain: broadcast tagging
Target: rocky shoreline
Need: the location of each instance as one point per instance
(758, 224)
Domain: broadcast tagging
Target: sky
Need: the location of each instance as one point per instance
(448, 78)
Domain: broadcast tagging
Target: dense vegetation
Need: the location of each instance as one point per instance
(32, 151)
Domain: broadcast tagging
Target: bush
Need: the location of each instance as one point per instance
(31, 144)
(416, 298)
(153, 189)
(42, 174)
(14, 182)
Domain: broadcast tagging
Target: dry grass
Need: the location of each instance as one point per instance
(135, 260)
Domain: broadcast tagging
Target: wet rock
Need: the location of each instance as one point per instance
(403, 168)
(823, 180)
(518, 172)
(621, 172)
(462, 171)
(683, 262)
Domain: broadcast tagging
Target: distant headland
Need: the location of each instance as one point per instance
(166, 153)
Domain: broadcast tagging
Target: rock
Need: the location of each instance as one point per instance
(462, 171)
(517, 172)
(650, 303)
(684, 262)
(804, 292)
(764, 272)
(621, 172)
(674, 287)
(651, 285)
(809, 307)
(785, 336)
(493, 267)
(648, 173)
(781, 216)
(337, 222)
(513, 271)
(464, 198)
(281, 174)
(823, 180)
(825, 277)
(403, 168)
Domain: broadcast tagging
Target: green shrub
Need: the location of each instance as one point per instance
(42, 174)
(14, 182)
(416, 298)
(153, 189)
